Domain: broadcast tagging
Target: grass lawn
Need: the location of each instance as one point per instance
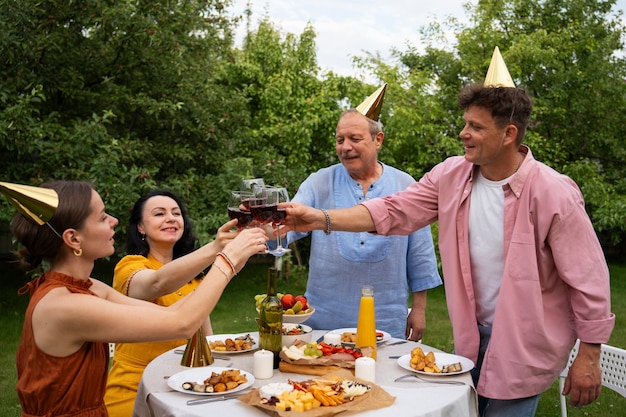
(236, 313)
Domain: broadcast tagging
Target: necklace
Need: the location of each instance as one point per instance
(519, 162)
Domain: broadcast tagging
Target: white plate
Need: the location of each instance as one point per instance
(386, 336)
(441, 359)
(222, 337)
(176, 381)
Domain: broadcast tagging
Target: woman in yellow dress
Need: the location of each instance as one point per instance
(162, 265)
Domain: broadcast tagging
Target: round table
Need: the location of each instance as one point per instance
(413, 398)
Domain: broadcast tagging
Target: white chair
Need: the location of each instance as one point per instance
(613, 365)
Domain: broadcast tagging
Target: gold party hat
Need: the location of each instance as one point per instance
(197, 352)
(370, 108)
(497, 74)
(34, 203)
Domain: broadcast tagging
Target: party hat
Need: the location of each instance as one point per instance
(35, 203)
(197, 352)
(497, 74)
(370, 108)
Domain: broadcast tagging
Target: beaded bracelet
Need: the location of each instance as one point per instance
(328, 224)
(230, 263)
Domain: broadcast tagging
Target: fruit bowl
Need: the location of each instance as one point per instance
(298, 318)
(295, 309)
(305, 336)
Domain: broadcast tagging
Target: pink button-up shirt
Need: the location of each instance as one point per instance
(555, 286)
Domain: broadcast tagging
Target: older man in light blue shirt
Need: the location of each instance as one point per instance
(342, 262)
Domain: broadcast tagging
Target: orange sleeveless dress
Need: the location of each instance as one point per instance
(59, 386)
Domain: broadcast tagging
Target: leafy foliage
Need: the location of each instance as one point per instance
(136, 95)
(565, 53)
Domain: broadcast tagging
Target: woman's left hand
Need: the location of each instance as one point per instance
(225, 234)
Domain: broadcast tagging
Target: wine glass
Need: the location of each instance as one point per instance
(239, 208)
(261, 210)
(276, 196)
(248, 185)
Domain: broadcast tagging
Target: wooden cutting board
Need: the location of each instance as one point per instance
(318, 370)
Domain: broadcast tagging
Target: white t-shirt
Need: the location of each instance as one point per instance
(486, 239)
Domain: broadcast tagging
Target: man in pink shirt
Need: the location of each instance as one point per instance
(524, 273)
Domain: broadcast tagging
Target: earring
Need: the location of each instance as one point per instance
(78, 252)
(143, 237)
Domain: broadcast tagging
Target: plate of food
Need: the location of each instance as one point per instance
(232, 343)
(435, 363)
(348, 336)
(210, 380)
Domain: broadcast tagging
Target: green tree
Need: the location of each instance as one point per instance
(292, 110)
(131, 95)
(566, 54)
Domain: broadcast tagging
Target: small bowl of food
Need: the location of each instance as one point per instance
(299, 317)
(296, 331)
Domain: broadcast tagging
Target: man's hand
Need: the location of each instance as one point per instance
(416, 320)
(415, 325)
(301, 218)
(584, 378)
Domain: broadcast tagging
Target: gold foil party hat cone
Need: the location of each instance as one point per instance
(35, 203)
(498, 74)
(197, 352)
(371, 106)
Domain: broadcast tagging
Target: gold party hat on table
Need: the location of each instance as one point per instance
(498, 74)
(197, 352)
(370, 108)
(35, 203)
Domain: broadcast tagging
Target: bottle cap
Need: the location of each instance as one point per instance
(367, 291)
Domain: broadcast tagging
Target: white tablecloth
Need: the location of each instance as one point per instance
(413, 398)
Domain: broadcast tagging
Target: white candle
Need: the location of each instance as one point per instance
(365, 368)
(263, 367)
(332, 339)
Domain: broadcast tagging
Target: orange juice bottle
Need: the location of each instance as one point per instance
(366, 325)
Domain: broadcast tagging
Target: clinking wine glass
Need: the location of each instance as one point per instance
(262, 211)
(278, 195)
(239, 208)
(248, 184)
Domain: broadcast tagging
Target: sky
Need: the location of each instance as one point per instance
(347, 28)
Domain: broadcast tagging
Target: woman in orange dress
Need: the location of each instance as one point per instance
(62, 358)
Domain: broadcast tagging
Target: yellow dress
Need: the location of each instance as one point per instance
(130, 359)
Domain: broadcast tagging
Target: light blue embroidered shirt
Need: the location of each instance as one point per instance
(342, 262)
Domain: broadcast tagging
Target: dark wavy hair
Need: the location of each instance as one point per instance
(137, 246)
(39, 242)
(507, 105)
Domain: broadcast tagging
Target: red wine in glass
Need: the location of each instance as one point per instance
(264, 212)
(279, 216)
(244, 218)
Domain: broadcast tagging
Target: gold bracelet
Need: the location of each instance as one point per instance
(228, 277)
(328, 224)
